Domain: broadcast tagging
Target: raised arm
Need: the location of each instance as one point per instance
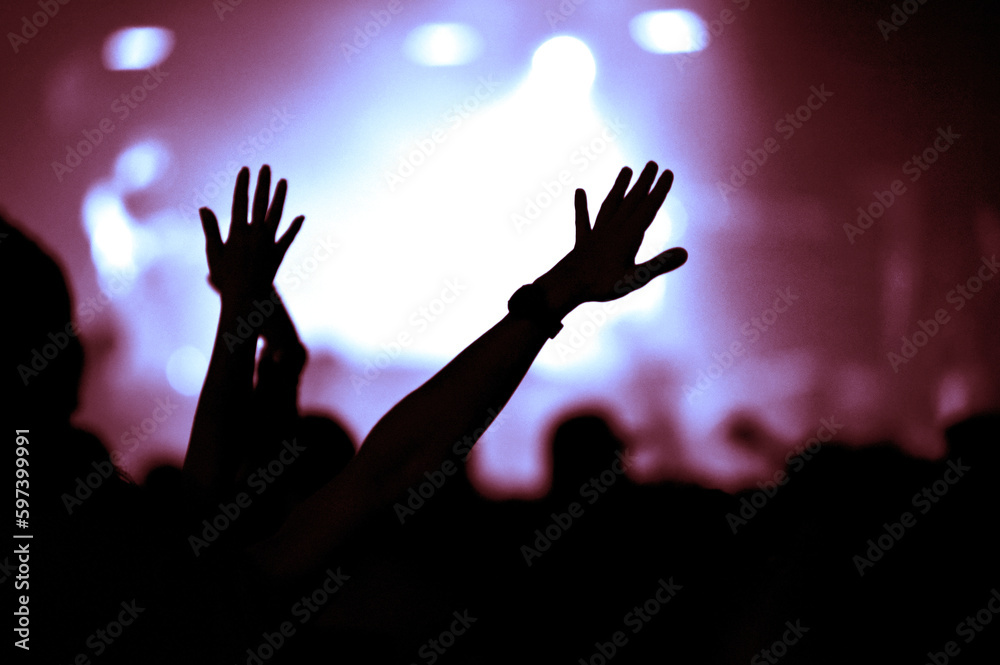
(275, 397)
(443, 417)
(242, 269)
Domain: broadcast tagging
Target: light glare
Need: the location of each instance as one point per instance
(107, 222)
(564, 65)
(186, 370)
(141, 164)
(669, 31)
(443, 45)
(137, 48)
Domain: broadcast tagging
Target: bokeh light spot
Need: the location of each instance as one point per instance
(443, 45)
(669, 31)
(137, 48)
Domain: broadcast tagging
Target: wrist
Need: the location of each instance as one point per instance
(529, 303)
(233, 308)
(559, 298)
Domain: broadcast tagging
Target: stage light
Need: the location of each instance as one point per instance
(563, 66)
(186, 370)
(107, 224)
(669, 31)
(140, 165)
(137, 48)
(443, 44)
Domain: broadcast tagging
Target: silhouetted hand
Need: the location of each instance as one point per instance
(417, 436)
(243, 268)
(601, 265)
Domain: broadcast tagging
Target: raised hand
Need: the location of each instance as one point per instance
(418, 435)
(242, 269)
(601, 265)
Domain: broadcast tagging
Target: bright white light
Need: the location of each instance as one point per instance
(669, 31)
(443, 44)
(107, 223)
(563, 66)
(513, 163)
(141, 164)
(186, 370)
(137, 48)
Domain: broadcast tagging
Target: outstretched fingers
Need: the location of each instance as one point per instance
(241, 193)
(277, 205)
(639, 191)
(664, 262)
(213, 238)
(261, 195)
(582, 216)
(285, 241)
(648, 208)
(614, 198)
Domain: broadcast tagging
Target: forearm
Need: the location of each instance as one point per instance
(428, 425)
(444, 415)
(220, 417)
(453, 407)
(281, 363)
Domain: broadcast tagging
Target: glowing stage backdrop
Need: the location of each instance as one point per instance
(835, 188)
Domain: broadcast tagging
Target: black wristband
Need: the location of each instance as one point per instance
(528, 302)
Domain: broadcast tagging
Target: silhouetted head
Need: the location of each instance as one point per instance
(746, 430)
(583, 446)
(976, 438)
(328, 447)
(41, 345)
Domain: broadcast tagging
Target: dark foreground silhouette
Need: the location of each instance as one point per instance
(864, 555)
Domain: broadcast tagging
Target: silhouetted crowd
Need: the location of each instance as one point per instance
(851, 554)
